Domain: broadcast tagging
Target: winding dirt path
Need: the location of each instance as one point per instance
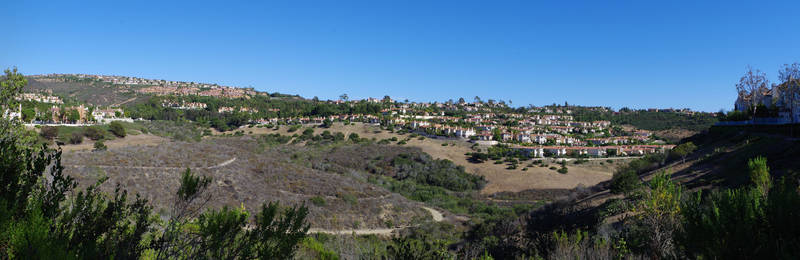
(437, 216)
(222, 164)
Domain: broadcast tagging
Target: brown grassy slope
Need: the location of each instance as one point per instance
(500, 179)
(257, 175)
(97, 93)
(719, 162)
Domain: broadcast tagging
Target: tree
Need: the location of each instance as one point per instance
(752, 84)
(327, 123)
(73, 116)
(353, 137)
(683, 150)
(743, 223)
(117, 129)
(477, 157)
(624, 181)
(478, 100)
(224, 234)
(387, 99)
(11, 85)
(659, 214)
(789, 72)
(28, 114)
(37, 218)
(789, 75)
(759, 174)
(344, 97)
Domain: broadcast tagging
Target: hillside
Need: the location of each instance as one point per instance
(88, 91)
(721, 164)
(723, 151)
(248, 172)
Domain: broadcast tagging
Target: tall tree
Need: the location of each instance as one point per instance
(11, 85)
(789, 75)
(788, 72)
(683, 150)
(753, 83)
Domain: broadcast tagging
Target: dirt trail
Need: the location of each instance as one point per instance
(223, 164)
(437, 216)
(123, 102)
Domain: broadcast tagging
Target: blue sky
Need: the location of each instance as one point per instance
(638, 54)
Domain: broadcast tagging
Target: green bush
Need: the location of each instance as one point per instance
(623, 182)
(349, 198)
(743, 223)
(76, 138)
(99, 145)
(49, 132)
(117, 129)
(94, 133)
(318, 201)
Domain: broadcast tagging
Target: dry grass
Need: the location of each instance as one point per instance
(130, 140)
(258, 175)
(500, 179)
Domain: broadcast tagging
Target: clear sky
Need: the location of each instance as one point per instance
(638, 54)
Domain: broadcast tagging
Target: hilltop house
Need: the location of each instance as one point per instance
(784, 97)
(109, 114)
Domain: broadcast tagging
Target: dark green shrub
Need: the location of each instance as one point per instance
(318, 201)
(76, 138)
(49, 132)
(117, 129)
(94, 133)
(99, 145)
(624, 182)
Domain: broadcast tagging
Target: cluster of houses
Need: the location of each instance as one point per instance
(185, 105)
(234, 109)
(59, 114)
(219, 91)
(37, 97)
(598, 151)
(156, 86)
(539, 135)
(369, 119)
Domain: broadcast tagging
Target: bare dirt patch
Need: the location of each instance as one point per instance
(130, 140)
